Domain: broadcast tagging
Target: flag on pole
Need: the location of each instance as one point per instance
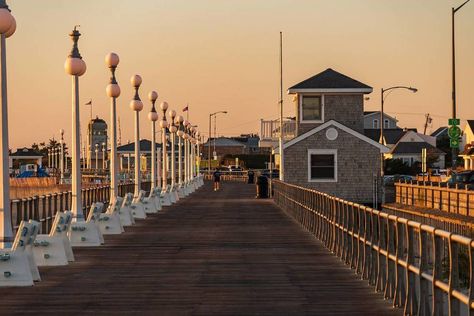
(89, 103)
(186, 108)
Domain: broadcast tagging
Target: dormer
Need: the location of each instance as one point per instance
(327, 96)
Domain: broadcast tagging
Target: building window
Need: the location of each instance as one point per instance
(311, 108)
(322, 165)
(386, 123)
(375, 124)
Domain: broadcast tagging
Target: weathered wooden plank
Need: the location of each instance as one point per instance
(213, 253)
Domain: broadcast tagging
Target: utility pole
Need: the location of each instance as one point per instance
(428, 121)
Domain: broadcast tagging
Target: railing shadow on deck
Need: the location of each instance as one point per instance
(426, 271)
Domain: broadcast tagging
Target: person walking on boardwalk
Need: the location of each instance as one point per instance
(217, 179)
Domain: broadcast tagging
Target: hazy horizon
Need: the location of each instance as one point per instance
(223, 55)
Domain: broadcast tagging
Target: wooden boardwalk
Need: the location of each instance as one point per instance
(216, 253)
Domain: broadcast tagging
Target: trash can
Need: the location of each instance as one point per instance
(251, 177)
(262, 187)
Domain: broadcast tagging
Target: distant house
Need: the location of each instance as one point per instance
(440, 132)
(222, 146)
(126, 154)
(330, 152)
(372, 120)
(468, 144)
(251, 142)
(409, 149)
(25, 155)
(391, 136)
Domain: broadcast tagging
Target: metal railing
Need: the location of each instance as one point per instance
(43, 208)
(418, 267)
(452, 200)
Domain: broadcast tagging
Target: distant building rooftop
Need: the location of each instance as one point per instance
(330, 80)
(26, 152)
(415, 147)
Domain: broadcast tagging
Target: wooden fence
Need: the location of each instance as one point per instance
(435, 196)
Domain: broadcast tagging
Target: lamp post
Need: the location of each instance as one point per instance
(173, 129)
(164, 125)
(198, 162)
(153, 117)
(136, 105)
(61, 161)
(75, 67)
(188, 155)
(104, 147)
(454, 149)
(7, 28)
(113, 92)
(96, 151)
(209, 140)
(180, 133)
(382, 100)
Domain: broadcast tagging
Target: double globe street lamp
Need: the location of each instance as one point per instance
(153, 117)
(137, 105)
(75, 67)
(113, 92)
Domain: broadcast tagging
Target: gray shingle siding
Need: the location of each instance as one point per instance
(358, 162)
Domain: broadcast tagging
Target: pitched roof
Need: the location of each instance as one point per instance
(392, 136)
(382, 148)
(329, 80)
(145, 146)
(224, 142)
(441, 130)
(414, 148)
(26, 152)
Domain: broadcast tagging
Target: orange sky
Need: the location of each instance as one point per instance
(223, 55)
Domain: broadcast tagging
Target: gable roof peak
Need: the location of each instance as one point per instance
(330, 80)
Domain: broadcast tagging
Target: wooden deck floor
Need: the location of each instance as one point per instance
(217, 253)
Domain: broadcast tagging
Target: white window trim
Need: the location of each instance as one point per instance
(375, 126)
(322, 152)
(300, 101)
(388, 123)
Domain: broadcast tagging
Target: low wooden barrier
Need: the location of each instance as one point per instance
(424, 270)
(452, 200)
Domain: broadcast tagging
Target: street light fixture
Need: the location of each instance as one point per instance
(454, 149)
(96, 156)
(153, 117)
(61, 161)
(173, 129)
(75, 67)
(7, 28)
(209, 140)
(382, 99)
(104, 163)
(179, 123)
(164, 125)
(137, 105)
(113, 92)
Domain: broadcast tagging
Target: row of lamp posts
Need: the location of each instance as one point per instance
(188, 136)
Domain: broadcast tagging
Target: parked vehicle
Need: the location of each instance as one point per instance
(464, 177)
(391, 179)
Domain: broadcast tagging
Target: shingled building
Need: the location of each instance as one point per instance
(330, 152)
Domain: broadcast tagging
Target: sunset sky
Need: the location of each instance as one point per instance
(223, 55)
